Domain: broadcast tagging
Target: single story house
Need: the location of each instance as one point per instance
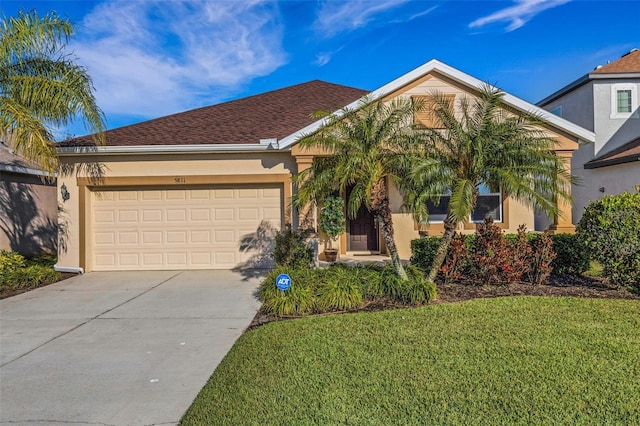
(198, 189)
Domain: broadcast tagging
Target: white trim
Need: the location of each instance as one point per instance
(465, 79)
(168, 149)
(70, 269)
(619, 87)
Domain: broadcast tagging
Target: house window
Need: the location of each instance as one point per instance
(557, 111)
(624, 100)
(488, 204)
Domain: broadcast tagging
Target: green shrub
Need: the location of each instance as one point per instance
(339, 290)
(572, 255)
(299, 299)
(292, 249)
(342, 288)
(43, 260)
(417, 290)
(332, 220)
(10, 261)
(610, 229)
(32, 276)
(423, 250)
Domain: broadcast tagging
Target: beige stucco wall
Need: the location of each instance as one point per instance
(158, 170)
(27, 214)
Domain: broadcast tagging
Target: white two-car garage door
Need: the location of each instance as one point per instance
(188, 228)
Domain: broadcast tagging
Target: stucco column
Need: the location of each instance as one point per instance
(563, 223)
(306, 215)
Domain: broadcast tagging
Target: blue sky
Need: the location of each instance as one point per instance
(152, 58)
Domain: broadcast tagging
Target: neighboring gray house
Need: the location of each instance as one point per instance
(604, 101)
(28, 206)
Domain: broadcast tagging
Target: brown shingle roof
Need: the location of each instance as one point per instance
(627, 63)
(627, 153)
(274, 114)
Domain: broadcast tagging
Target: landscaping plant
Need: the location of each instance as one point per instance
(343, 288)
(332, 221)
(572, 255)
(479, 143)
(367, 149)
(610, 228)
(292, 249)
(42, 87)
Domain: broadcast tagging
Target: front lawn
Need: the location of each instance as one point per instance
(512, 360)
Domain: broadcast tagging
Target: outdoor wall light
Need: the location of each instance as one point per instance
(64, 193)
(601, 189)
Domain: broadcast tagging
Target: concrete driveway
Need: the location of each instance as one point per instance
(121, 348)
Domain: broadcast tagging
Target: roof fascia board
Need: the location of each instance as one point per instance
(24, 170)
(583, 80)
(465, 79)
(164, 149)
(596, 164)
(566, 89)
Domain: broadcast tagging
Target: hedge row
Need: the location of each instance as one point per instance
(572, 256)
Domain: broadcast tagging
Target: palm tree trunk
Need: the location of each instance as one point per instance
(441, 254)
(380, 208)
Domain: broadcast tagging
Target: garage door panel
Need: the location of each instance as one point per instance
(179, 228)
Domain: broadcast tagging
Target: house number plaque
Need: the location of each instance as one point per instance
(179, 179)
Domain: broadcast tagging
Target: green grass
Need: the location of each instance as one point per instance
(522, 360)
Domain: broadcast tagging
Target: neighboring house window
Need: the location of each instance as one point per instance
(624, 101)
(557, 111)
(488, 204)
(427, 117)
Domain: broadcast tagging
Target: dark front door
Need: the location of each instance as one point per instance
(363, 235)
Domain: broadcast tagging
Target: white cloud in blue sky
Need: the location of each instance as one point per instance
(518, 14)
(150, 58)
(336, 16)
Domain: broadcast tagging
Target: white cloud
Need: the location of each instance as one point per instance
(323, 58)
(150, 58)
(518, 14)
(337, 16)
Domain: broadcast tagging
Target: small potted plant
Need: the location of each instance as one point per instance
(332, 223)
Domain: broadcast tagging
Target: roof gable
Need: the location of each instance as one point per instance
(273, 114)
(473, 84)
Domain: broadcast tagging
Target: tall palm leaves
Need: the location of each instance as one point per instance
(41, 87)
(366, 147)
(479, 143)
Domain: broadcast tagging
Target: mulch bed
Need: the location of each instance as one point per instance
(556, 286)
(8, 292)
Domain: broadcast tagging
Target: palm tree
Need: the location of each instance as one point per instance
(41, 87)
(366, 147)
(481, 143)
